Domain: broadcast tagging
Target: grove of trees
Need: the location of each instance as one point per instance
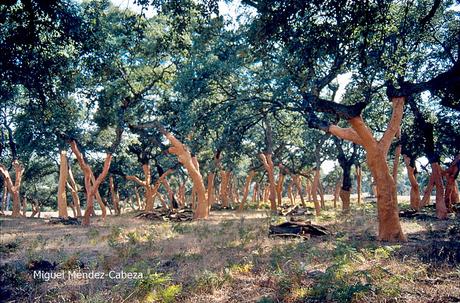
(177, 106)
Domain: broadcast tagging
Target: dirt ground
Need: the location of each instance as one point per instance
(229, 258)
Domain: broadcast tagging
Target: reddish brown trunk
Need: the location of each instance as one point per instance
(337, 192)
(150, 189)
(427, 194)
(455, 196)
(170, 192)
(247, 184)
(279, 187)
(266, 193)
(182, 194)
(191, 165)
(114, 196)
(225, 177)
(308, 187)
(24, 206)
(298, 184)
(321, 195)
(91, 183)
(62, 197)
(396, 159)
(255, 193)
(15, 187)
(138, 199)
(376, 153)
(290, 194)
(268, 165)
(441, 209)
(414, 190)
(72, 185)
(358, 181)
(210, 189)
(345, 197)
(314, 189)
(4, 195)
(451, 195)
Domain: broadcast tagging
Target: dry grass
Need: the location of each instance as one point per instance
(230, 258)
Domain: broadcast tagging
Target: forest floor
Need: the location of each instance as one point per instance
(230, 258)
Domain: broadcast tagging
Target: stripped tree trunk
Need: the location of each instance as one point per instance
(279, 186)
(397, 156)
(24, 206)
(441, 209)
(255, 194)
(268, 165)
(72, 185)
(314, 190)
(451, 195)
(182, 194)
(376, 153)
(150, 189)
(91, 183)
(266, 193)
(62, 197)
(247, 185)
(114, 196)
(298, 184)
(337, 192)
(138, 199)
(224, 184)
(4, 195)
(414, 188)
(289, 191)
(15, 187)
(358, 181)
(210, 190)
(191, 165)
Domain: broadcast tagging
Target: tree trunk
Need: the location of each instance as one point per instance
(170, 192)
(298, 184)
(451, 196)
(289, 191)
(346, 186)
(255, 193)
(182, 194)
(210, 189)
(279, 188)
(387, 204)
(337, 192)
(74, 191)
(441, 209)
(14, 188)
(268, 165)
(376, 153)
(396, 159)
(150, 189)
(91, 183)
(24, 206)
(247, 185)
(414, 188)
(266, 193)
(114, 196)
(358, 181)
(308, 189)
(62, 197)
(4, 195)
(191, 165)
(321, 195)
(314, 189)
(138, 199)
(224, 188)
